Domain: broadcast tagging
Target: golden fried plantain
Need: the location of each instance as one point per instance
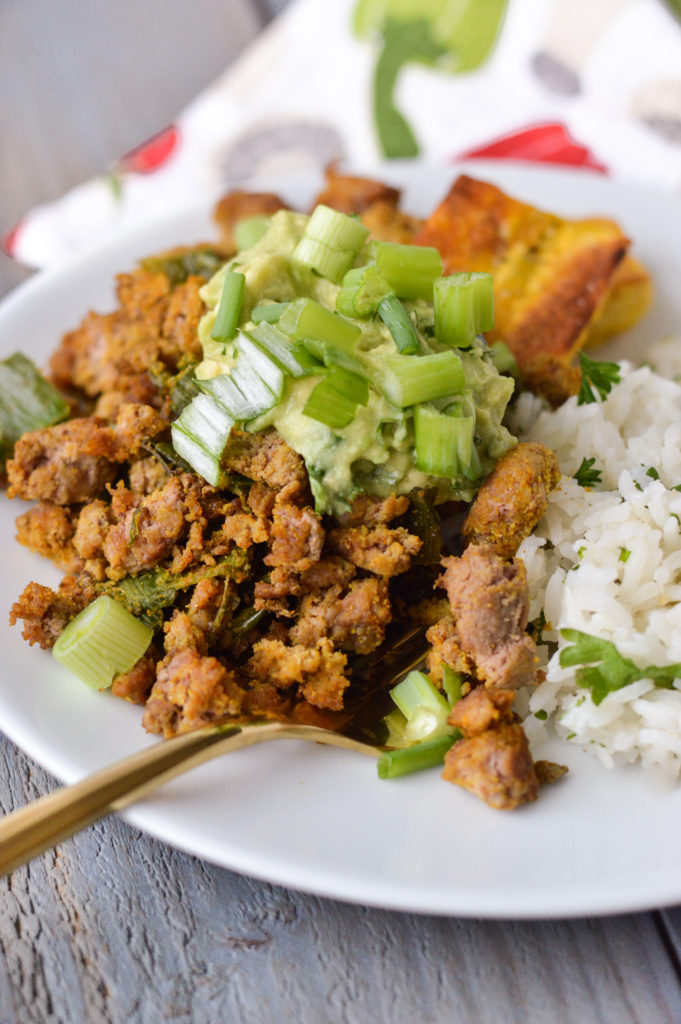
(375, 202)
(630, 295)
(551, 276)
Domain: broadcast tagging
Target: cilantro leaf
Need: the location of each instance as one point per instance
(602, 669)
(601, 376)
(586, 476)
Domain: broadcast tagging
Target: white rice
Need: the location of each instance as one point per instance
(606, 560)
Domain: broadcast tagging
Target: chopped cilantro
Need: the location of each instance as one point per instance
(637, 485)
(586, 476)
(624, 555)
(542, 715)
(601, 376)
(652, 473)
(580, 553)
(602, 669)
(570, 735)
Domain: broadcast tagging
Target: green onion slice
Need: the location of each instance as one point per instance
(229, 308)
(362, 290)
(351, 385)
(397, 320)
(444, 443)
(331, 243)
(233, 400)
(200, 435)
(328, 405)
(328, 355)
(270, 312)
(451, 683)
(277, 346)
(255, 371)
(327, 262)
(305, 318)
(250, 230)
(464, 307)
(428, 754)
(410, 270)
(336, 229)
(101, 642)
(202, 462)
(253, 386)
(407, 380)
(424, 707)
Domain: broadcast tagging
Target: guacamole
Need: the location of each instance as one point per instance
(375, 452)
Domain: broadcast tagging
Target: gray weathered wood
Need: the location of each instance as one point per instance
(115, 926)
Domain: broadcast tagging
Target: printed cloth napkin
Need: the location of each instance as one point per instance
(594, 84)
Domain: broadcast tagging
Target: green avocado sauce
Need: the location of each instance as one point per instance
(375, 452)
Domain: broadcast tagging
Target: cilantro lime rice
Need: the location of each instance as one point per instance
(605, 561)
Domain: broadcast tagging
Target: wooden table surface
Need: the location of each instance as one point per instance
(115, 926)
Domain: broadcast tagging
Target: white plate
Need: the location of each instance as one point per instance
(318, 819)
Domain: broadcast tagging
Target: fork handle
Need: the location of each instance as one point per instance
(33, 829)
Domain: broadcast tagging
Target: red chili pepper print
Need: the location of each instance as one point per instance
(153, 153)
(549, 143)
(8, 244)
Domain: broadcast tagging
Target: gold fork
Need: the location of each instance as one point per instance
(33, 829)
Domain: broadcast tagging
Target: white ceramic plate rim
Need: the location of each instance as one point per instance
(371, 843)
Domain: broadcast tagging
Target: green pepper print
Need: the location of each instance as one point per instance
(451, 35)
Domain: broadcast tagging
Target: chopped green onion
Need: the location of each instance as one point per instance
(200, 435)
(306, 356)
(229, 308)
(451, 683)
(329, 406)
(253, 386)
(410, 270)
(352, 385)
(396, 723)
(330, 356)
(464, 307)
(278, 347)
(428, 754)
(205, 420)
(336, 229)
(362, 290)
(330, 263)
(255, 369)
(270, 312)
(250, 230)
(202, 462)
(397, 320)
(406, 380)
(331, 243)
(444, 443)
(101, 642)
(423, 706)
(27, 402)
(305, 318)
(229, 395)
